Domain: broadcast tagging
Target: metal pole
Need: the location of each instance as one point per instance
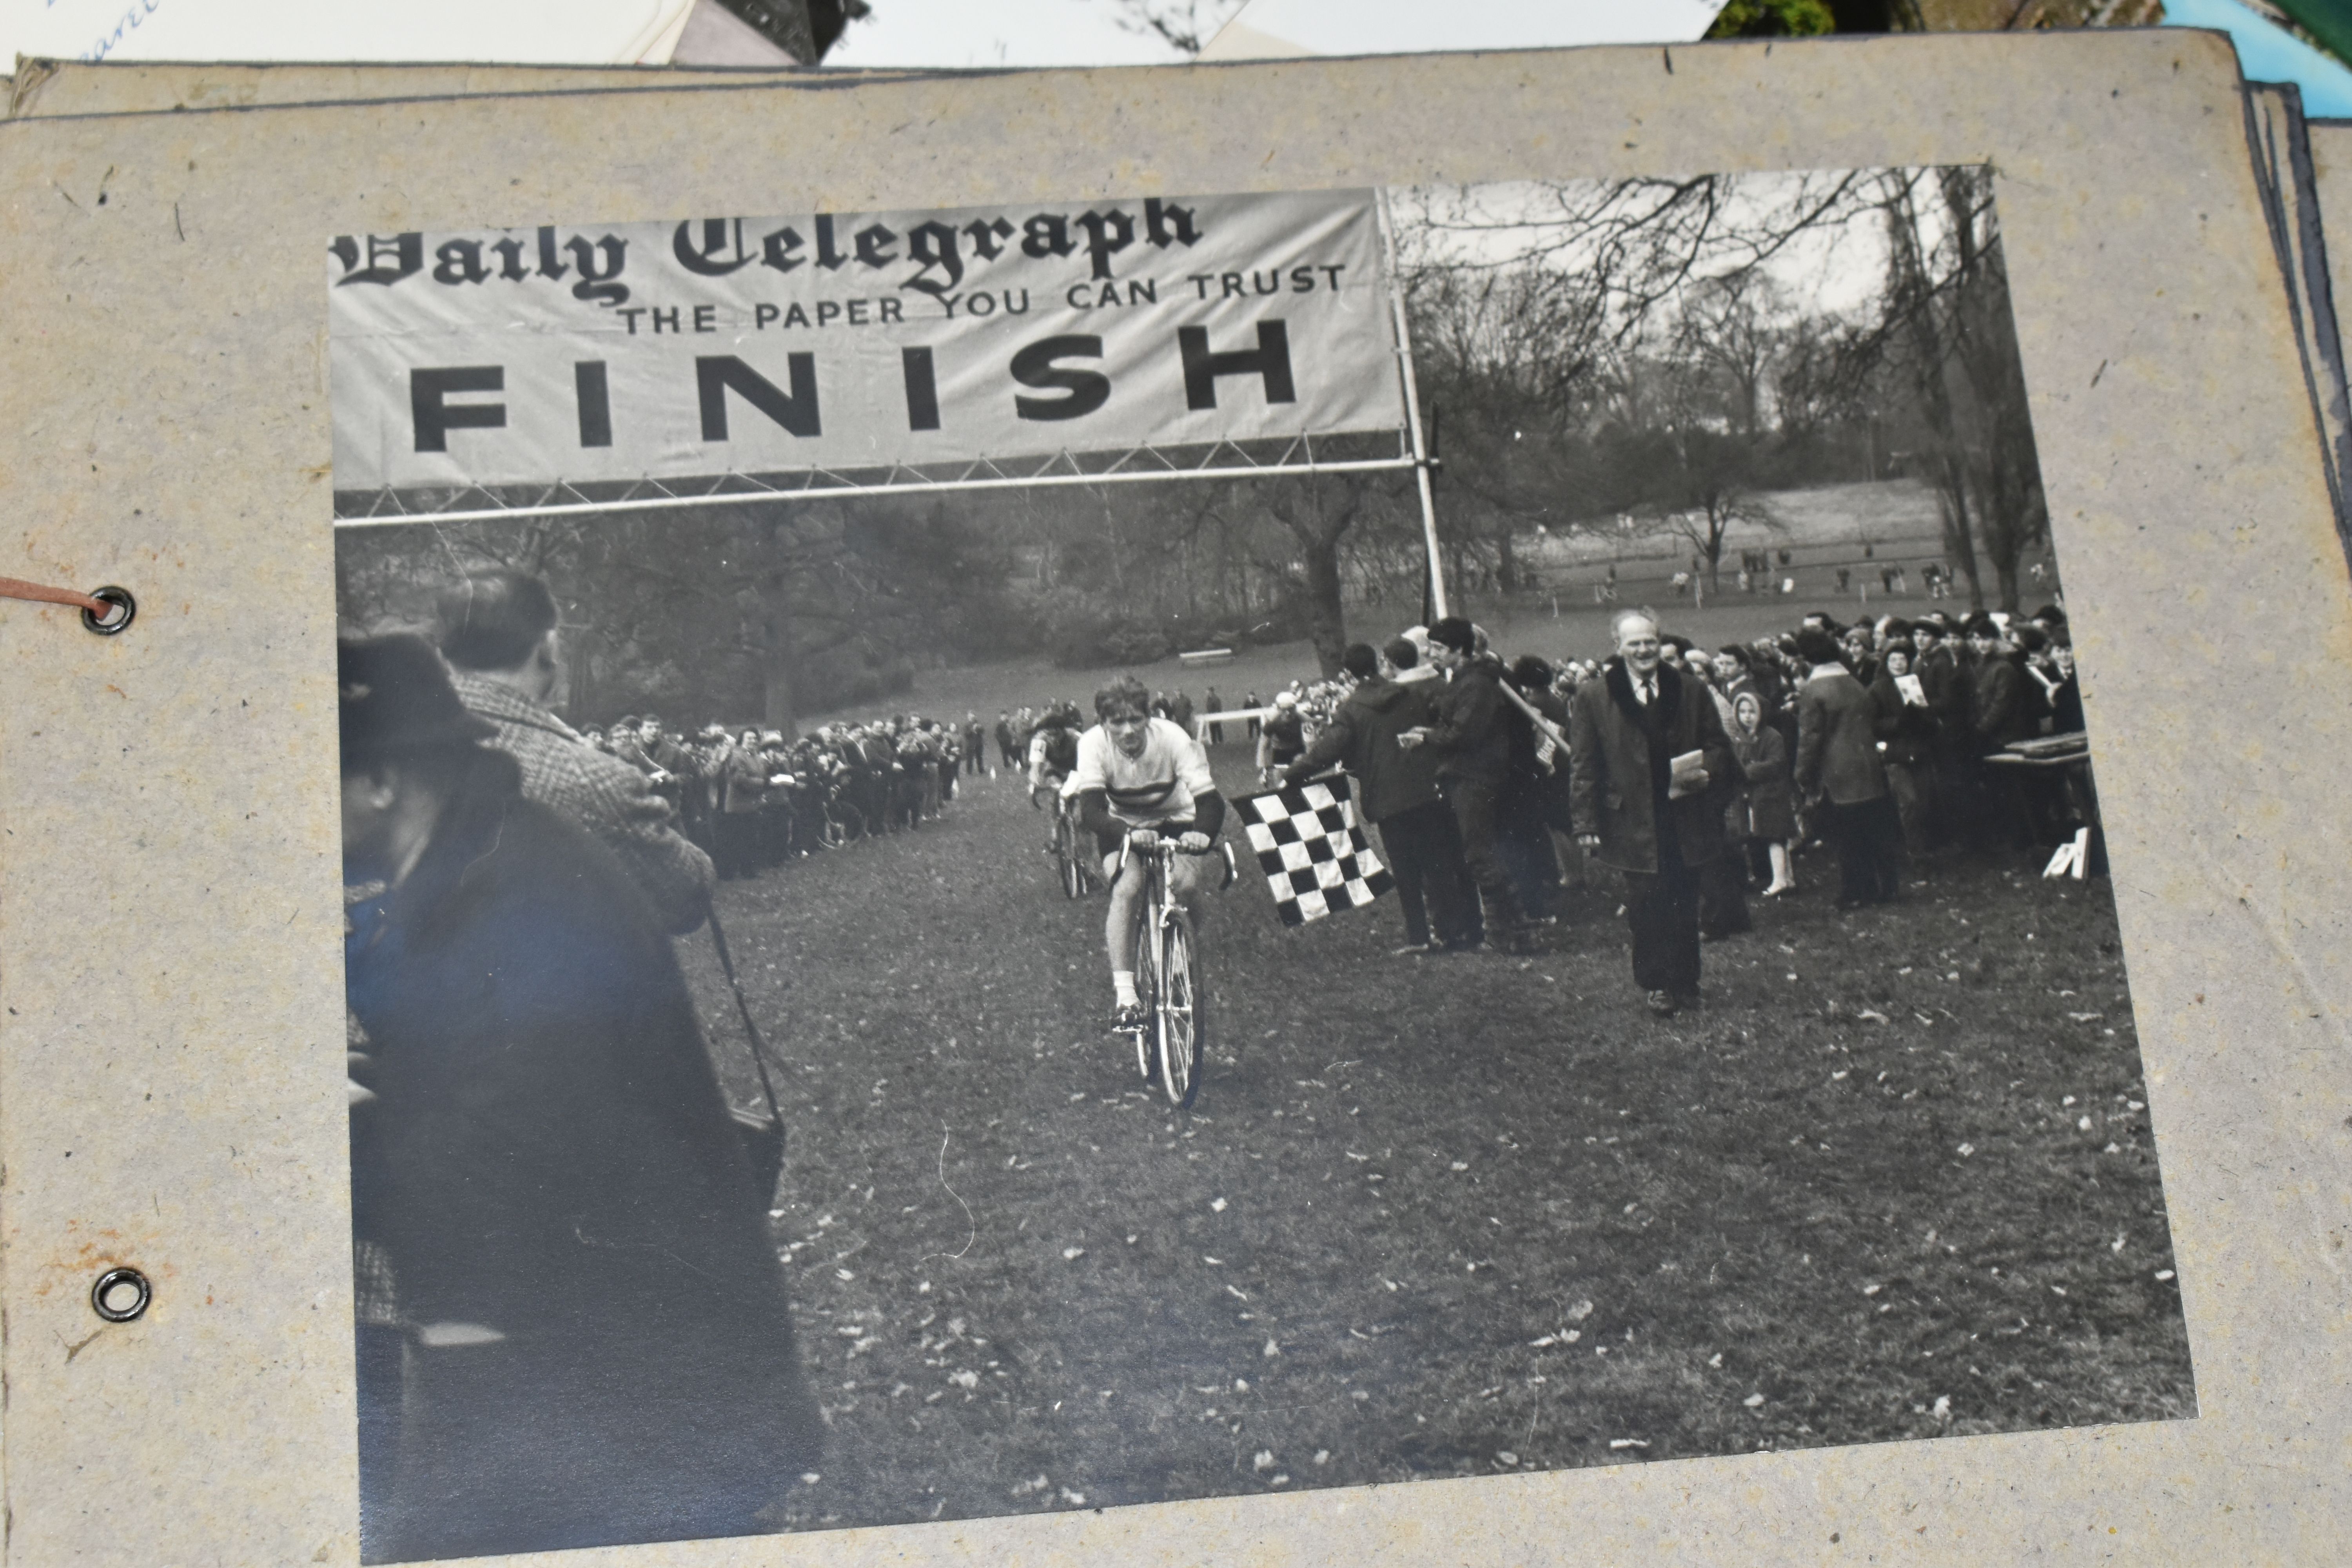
(829, 492)
(1412, 409)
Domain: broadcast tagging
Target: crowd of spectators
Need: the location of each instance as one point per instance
(1492, 785)
(753, 799)
(1876, 740)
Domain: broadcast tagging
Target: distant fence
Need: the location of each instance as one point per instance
(1240, 717)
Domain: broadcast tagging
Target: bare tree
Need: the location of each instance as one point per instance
(1717, 499)
(1185, 26)
(1318, 513)
(1687, 464)
(1947, 329)
(757, 607)
(1818, 378)
(1600, 347)
(1733, 325)
(1640, 242)
(2004, 464)
(1508, 356)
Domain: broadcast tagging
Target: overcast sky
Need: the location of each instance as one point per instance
(953, 33)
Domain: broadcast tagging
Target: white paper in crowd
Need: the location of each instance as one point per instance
(1270, 28)
(523, 32)
(744, 345)
(1913, 691)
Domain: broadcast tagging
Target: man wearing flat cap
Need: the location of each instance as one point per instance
(553, 1207)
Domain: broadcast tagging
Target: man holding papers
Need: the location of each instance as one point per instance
(1650, 766)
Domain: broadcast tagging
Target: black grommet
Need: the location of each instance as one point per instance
(112, 1284)
(121, 600)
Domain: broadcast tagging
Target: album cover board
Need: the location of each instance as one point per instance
(238, 420)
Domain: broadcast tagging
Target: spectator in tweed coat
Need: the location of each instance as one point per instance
(497, 631)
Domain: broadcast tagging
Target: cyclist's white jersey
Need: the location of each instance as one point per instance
(1041, 767)
(1158, 786)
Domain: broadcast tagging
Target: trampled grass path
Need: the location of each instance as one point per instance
(1437, 1217)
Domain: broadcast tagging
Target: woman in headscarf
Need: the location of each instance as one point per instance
(1762, 815)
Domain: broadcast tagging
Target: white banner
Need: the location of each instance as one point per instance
(724, 345)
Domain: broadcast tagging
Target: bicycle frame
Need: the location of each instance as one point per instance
(1164, 939)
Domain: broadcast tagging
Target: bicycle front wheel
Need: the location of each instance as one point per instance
(1066, 859)
(1179, 1013)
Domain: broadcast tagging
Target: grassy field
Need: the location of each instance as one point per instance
(1578, 630)
(1897, 516)
(1824, 529)
(1437, 1217)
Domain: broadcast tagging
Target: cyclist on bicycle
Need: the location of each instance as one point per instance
(1140, 779)
(1053, 753)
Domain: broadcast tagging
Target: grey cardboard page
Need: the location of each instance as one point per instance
(2331, 165)
(51, 89)
(2284, 167)
(170, 971)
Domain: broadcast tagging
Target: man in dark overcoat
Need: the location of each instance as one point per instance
(1949, 684)
(1625, 729)
(1838, 763)
(1535, 796)
(2005, 706)
(545, 1177)
(1396, 789)
(742, 784)
(1472, 741)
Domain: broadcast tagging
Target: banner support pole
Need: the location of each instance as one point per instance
(1421, 462)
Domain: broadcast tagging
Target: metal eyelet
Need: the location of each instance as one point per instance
(121, 600)
(111, 1285)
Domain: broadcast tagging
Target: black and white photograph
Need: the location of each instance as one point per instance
(1047, 857)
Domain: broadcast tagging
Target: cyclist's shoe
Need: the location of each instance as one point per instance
(1129, 1017)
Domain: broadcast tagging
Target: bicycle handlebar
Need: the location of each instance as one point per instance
(1168, 845)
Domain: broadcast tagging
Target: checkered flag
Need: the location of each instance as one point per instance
(1314, 857)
